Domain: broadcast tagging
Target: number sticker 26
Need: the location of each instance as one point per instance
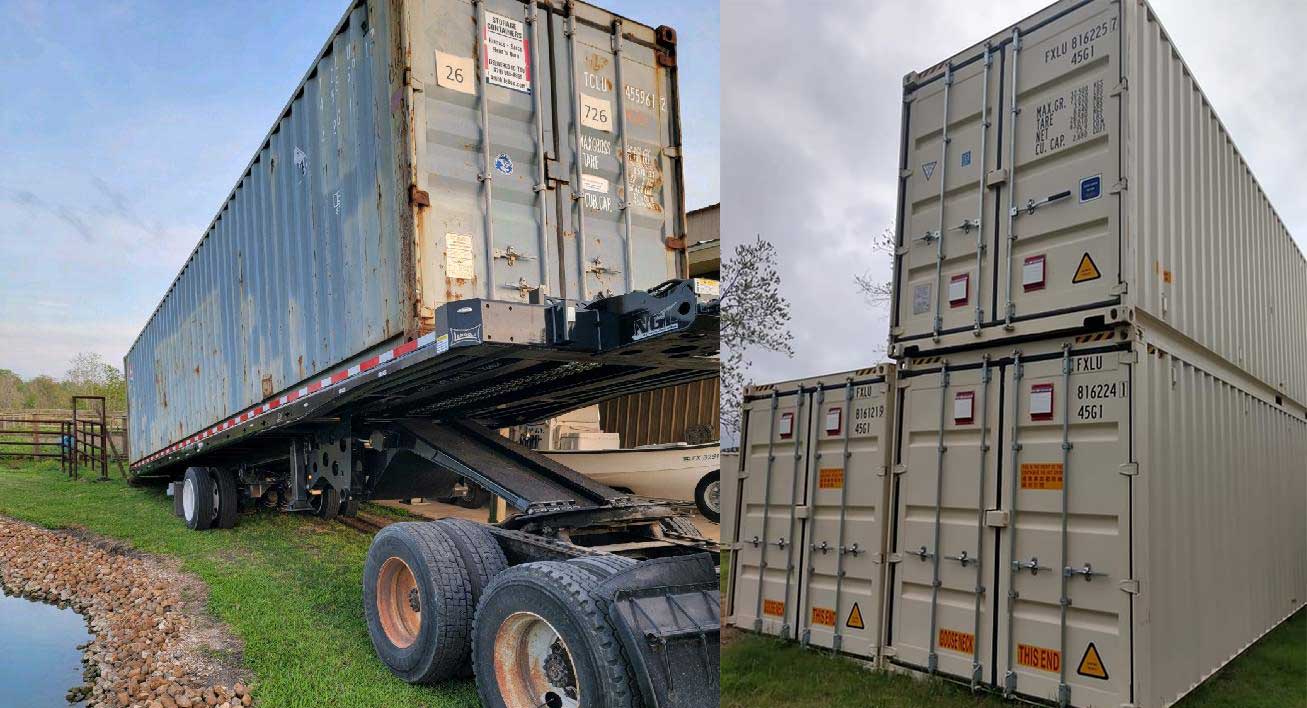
(455, 72)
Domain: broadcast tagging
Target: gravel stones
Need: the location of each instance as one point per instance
(143, 653)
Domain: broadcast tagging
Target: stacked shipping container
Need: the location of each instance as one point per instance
(1098, 465)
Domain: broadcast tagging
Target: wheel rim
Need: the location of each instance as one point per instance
(713, 496)
(398, 602)
(188, 498)
(533, 664)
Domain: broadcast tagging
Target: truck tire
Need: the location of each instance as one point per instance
(418, 602)
(474, 496)
(228, 499)
(480, 553)
(548, 604)
(681, 525)
(197, 498)
(708, 496)
(326, 504)
(602, 567)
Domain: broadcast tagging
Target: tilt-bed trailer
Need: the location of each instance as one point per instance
(585, 596)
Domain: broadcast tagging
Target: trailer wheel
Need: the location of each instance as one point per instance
(708, 496)
(604, 566)
(326, 504)
(681, 525)
(198, 498)
(540, 638)
(228, 499)
(480, 553)
(418, 602)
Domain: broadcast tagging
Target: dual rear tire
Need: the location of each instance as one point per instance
(209, 498)
(441, 600)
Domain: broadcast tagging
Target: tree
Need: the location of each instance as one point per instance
(754, 316)
(878, 293)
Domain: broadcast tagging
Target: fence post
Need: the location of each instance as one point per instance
(36, 439)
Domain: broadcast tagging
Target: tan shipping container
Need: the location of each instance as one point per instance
(1082, 178)
(1099, 520)
(812, 491)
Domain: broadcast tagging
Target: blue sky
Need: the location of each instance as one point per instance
(124, 124)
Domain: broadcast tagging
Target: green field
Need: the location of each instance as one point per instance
(760, 671)
(289, 585)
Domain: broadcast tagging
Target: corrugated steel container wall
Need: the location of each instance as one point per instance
(685, 413)
(812, 494)
(1128, 199)
(1182, 488)
(326, 249)
(303, 266)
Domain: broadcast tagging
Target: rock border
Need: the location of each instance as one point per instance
(154, 645)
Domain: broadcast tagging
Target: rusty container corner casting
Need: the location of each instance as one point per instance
(1069, 171)
(435, 151)
(810, 521)
(1104, 519)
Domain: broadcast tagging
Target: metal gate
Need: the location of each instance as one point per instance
(1012, 555)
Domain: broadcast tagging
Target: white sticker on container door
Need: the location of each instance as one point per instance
(507, 62)
(455, 72)
(596, 113)
(592, 183)
(460, 261)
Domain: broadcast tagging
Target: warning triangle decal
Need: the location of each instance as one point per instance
(855, 618)
(1091, 664)
(1086, 271)
(929, 168)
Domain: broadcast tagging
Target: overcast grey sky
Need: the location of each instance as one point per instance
(811, 96)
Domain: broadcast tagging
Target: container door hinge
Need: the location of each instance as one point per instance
(1121, 185)
(1120, 289)
(905, 173)
(1130, 586)
(673, 151)
(1120, 88)
(900, 469)
(881, 471)
(1130, 469)
(996, 518)
(894, 558)
(1130, 357)
(418, 197)
(802, 512)
(877, 558)
(996, 178)
(889, 651)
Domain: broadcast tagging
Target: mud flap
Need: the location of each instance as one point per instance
(667, 614)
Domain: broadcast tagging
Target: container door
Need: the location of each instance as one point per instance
(947, 271)
(843, 570)
(1060, 244)
(617, 97)
(480, 122)
(767, 575)
(1064, 593)
(943, 594)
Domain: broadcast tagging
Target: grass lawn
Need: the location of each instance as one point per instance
(760, 671)
(288, 584)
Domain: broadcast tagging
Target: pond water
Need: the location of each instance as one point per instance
(39, 659)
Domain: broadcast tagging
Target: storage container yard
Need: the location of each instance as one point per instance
(1087, 484)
